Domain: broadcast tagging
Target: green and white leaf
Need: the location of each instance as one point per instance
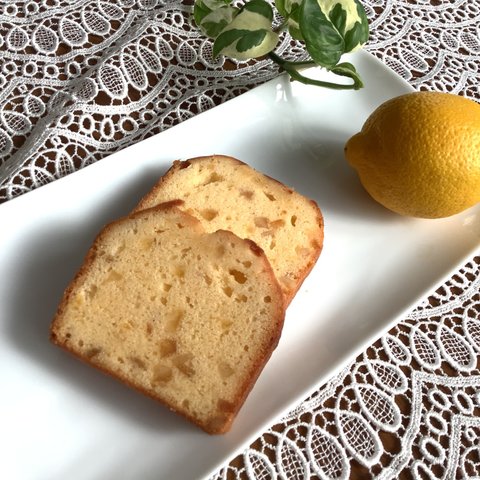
(261, 7)
(250, 34)
(346, 69)
(331, 28)
(350, 19)
(290, 10)
(202, 8)
(212, 16)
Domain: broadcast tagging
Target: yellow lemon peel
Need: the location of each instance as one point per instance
(419, 154)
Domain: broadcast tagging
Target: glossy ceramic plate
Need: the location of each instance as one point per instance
(61, 419)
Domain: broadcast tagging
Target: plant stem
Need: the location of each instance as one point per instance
(291, 69)
(294, 65)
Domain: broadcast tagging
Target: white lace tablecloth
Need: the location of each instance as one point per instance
(80, 80)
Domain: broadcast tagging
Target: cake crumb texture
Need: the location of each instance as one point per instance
(185, 316)
(224, 193)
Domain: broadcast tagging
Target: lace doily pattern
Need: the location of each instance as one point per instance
(82, 79)
(408, 407)
(433, 45)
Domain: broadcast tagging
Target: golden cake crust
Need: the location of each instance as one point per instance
(236, 304)
(225, 193)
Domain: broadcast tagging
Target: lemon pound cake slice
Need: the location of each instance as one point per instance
(225, 193)
(187, 317)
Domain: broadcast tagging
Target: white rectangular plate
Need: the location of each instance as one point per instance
(61, 419)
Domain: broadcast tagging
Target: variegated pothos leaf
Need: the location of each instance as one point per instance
(212, 16)
(290, 10)
(250, 34)
(331, 28)
(350, 20)
(202, 8)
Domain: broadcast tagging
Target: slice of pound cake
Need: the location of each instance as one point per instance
(187, 317)
(226, 194)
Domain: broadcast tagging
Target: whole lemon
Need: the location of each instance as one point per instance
(418, 154)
